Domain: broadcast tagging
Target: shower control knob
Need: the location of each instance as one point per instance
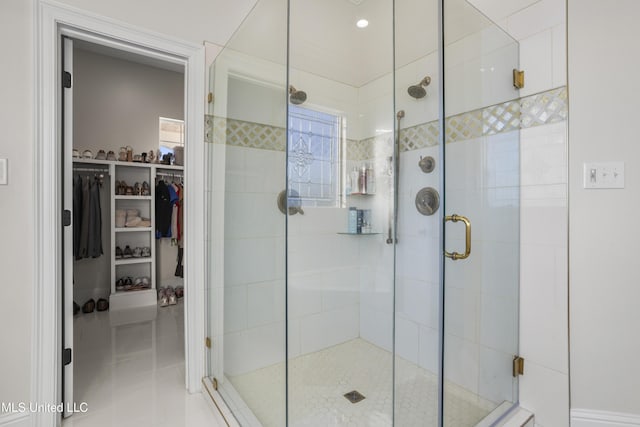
(427, 164)
(427, 201)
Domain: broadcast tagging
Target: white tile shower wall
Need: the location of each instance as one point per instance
(543, 277)
(323, 281)
(417, 268)
(254, 283)
(480, 65)
(540, 28)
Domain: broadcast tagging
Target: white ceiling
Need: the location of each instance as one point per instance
(325, 41)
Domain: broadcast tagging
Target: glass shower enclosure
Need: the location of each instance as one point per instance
(363, 198)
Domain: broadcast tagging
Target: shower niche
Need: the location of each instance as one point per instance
(344, 120)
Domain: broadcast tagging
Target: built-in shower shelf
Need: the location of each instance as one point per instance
(359, 234)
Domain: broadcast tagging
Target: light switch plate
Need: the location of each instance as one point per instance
(3, 171)
(604, 175)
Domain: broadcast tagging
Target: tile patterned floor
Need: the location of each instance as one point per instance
(129, 368)
(319, 380)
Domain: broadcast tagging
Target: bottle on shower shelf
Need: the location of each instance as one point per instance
(362, 179)
(352, 221)
(355, 187)
(370, 179)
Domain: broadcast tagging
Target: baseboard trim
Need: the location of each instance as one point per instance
(15, 420)
(591, 418)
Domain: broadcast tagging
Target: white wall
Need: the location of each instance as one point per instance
(118, 102)
(16, 209)
(603, 242)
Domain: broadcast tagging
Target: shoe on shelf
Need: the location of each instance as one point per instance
(137, 284)
(120, 285)
(146, 190)
(89, 306)
(119, 253)
(179, 291)
(137, 253)
(103, 304)
(163, 299)
(87, 154)
(76, 153)
(137, 190)
(146, 252)
(128, 283)
(127, 252)
(146, 282)
(171, 295)
(101, 155)
(111, 156)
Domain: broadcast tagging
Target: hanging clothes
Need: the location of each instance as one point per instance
(164, 210)
(95, 222)
(181, 216)
(77, 214)
(87, 218)
(83, 245)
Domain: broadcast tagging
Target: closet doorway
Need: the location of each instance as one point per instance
(124, 191)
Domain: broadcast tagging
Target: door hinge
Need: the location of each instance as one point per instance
(210, 98)
(66, 79)
(215, 383)
(518, 78)
(518, 366)
(66, 356)
(207, 342)
(66, 218)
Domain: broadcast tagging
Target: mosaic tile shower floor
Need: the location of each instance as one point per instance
(319, 380)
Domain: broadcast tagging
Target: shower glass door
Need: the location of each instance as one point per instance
(246, 132)
(340, 267)
(333, 160)
(482, 186)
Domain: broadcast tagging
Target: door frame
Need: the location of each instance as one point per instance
(52, 20)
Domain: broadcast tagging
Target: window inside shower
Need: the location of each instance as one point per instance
(314, 156)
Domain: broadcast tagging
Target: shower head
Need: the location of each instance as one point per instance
(296, 97)
(418, 91)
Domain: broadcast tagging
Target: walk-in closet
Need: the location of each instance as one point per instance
(124, 134)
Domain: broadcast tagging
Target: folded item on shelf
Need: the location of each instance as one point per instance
(133, 221)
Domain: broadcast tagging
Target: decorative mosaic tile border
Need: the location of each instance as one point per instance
(544, 108)
(535, 110)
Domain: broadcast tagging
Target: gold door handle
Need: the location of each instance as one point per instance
(467, 251)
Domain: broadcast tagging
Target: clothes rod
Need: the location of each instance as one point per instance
(81, 169)
(169, 174)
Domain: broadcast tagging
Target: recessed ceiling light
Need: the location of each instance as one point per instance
(362, 23)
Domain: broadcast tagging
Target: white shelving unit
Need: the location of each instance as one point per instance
(133, 236)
